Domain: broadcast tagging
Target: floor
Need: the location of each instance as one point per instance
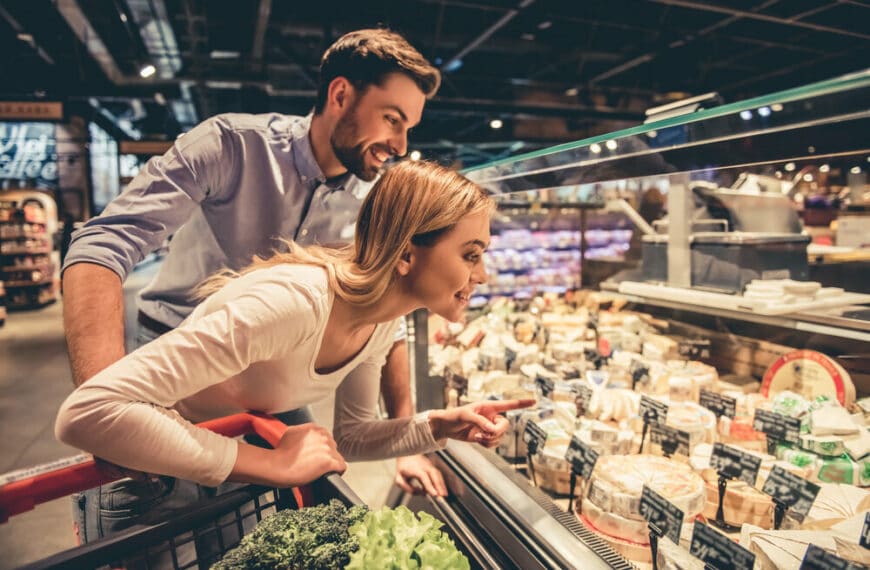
(34, 380)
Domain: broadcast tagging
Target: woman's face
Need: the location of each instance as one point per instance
(443, 277)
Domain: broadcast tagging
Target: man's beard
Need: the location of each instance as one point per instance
(352, 156)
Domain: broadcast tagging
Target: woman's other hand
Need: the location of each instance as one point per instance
(304, 453)
(480, 422)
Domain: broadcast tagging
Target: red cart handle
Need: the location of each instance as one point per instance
(22, 490)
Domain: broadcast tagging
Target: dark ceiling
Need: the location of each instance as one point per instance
(552, 71)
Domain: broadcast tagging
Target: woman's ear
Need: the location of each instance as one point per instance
(403, 267)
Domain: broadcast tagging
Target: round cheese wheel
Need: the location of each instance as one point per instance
(811, 374)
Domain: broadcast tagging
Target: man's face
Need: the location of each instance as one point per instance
(375, 125)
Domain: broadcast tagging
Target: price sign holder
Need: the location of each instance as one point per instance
(719, 552)
(864, 539)
(663, 518)
(777, 427)
(789, 491)
(719, 404)
(582, 459)
(535, 438)
(670, 439)
(653, 412)
(546, 385)
(582, 396)
(639, 373)
(732, 463)
(817, 558)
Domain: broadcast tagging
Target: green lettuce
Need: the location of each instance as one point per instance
(396, 539)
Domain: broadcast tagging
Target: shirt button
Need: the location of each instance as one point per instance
(304, 179)
(304, 232)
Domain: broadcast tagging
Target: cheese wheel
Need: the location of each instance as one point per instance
(811, 374)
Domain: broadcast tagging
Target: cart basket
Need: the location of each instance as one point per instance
(180, 538)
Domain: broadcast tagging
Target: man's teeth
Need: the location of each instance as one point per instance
(381, 156)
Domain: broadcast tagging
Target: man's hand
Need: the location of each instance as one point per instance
(420, 468)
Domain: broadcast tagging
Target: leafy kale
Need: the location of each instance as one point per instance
(314, 537)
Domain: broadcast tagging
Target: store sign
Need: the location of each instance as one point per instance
(28, 152)
(33, 110)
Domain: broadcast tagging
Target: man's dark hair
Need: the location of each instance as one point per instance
(366, 57)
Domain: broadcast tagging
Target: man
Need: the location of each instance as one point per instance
(234, 183)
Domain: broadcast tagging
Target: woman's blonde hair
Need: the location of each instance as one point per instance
(415, 202)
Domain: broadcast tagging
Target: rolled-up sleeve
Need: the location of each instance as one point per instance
(159, 200)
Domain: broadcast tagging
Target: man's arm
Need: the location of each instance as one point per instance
(158, 201)
(396, 392)
(93, 316)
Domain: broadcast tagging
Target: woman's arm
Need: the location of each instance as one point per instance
(123, 413)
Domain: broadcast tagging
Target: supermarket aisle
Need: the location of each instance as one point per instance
(34, 380)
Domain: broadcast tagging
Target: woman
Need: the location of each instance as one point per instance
(291, 330)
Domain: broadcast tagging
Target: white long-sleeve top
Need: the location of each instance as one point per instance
(250, 346)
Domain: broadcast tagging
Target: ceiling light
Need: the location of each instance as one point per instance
(778, 174)
(746, 115)
(528, 37)
(595, 148)
(764, 111)
(652, 134)
(572, 91)
(224, 54)
(27, 38)
(545, 24)
(856, 170)
(825, 168)
(496, 124)
(159, 98)
(611, 144)
(415, 155)
(808, 177)
(147, 71)
(789, 167)
(811, 149)
(776, 107)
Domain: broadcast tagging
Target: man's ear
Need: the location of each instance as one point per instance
(406, 261)
(340, 93)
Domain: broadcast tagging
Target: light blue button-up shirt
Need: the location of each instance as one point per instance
(226, 190)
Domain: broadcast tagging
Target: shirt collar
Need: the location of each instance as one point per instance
(308, 169)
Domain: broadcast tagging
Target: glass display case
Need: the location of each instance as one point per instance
(736, 283)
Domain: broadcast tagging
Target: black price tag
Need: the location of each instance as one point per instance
(510, 356)
(581, 457)
(535, 437)
(639, 373)
(652, 411)
(582, 396)
(694, 349)
(864, 539)
(671, 440)
(719, 404)
(777, 426)
(733, 463)
(719, 551)
(820, 559)
(546, 385)
(661, 514)
(796, 493)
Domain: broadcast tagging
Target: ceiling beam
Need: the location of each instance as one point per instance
(262, 25)
(794, 22)
(20, 31)
(506, 17)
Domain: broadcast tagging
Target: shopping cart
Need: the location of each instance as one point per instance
(193, 537)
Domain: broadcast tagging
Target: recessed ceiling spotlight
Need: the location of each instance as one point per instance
(825, 168)
(496, 124)
(147, 71)
(789, 167)
(595, 148)
(611, 144)
(572, 91)
(415, 155)
(545, 24)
